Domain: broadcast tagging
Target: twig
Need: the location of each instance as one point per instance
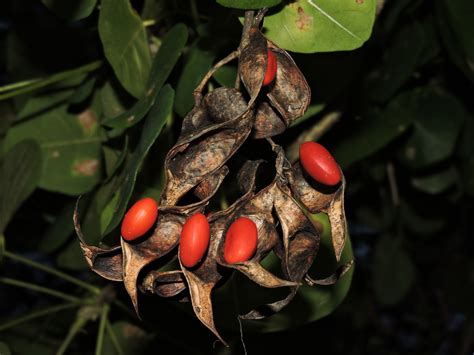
(314, 133)
(52, 271)
(210, 73)
(392, 180)
(37, 314)
(37, 288)
(100, 334)
(113, 337)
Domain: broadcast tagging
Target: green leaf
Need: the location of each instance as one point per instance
(438, 182)
(166, 58)
(125, 44)
(19, 173)
(394, 272)
(420, 221)
(225, 76)
(71, 10)
(58, 231)
(2, 247)
(456, 31)
(374, 131)
(400, 61)
(248, 4)
(112, 99)
(70, 146)
(4, 349)
(60, 94)
(198, 63)
(438, 120)
(309, 26)
(154, 123)
(84, 91)
(71, 257)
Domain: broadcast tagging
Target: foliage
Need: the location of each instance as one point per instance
(92, 97)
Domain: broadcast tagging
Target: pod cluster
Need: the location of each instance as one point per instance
(271, 94)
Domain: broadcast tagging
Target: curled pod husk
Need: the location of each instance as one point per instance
(164, 283)
(198, 155)
(318, 198)
(107, 263)
(289, 95)
(259, 210)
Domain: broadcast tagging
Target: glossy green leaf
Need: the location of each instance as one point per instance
(19, 173)
(154, 123)
(164, 61)
(438, 120)
(248, 4)
(309, 26)
(437, 182)
(394, 272)
(71, 10)
(198, 63)
(374, 131)
(70, 146)
(125, 44)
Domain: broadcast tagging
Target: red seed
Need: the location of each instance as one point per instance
(271, 68)
(319, 163)
(240, 241)
(139, 219)
(194, 240)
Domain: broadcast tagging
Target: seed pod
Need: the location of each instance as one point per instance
(224, 104)
(194, 240)
(319, 163)
(139, 219)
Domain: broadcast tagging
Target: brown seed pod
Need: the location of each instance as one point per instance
(201, 154)
(289, 94)
(321, 198)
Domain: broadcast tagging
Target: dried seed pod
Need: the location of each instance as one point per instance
(224, 104)
(136, 256)
(107, 263)
(267, 122)
(197, 156)
(289, 93)
(164, 283)
(204, 278)
(325, 199)
(212, 132)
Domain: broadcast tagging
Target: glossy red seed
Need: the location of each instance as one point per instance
(194, 240)
(240, 241)
(271, 68)
(319, 163)
(139, 219)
